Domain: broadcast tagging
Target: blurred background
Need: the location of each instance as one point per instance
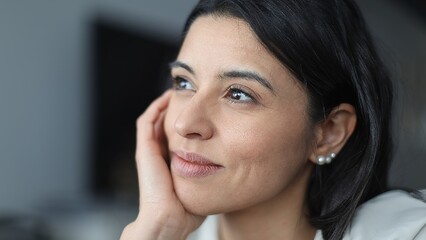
(74, 75)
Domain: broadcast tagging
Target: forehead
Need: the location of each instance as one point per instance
(219, 39)
(231, 31)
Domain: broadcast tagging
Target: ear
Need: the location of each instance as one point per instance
(333, 133)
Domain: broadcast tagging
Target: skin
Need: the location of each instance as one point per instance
(265, 160)
(259, 133)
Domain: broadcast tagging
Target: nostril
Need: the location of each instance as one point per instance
(193, 135)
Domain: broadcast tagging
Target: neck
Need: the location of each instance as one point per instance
(282, 217)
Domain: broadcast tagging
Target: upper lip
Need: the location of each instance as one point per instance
(195, 158)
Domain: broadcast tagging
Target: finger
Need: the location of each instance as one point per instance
(160, 134)
(154, 177)
(147, 120)
(147, 139)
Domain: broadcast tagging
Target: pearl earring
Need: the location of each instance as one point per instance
(321, 160)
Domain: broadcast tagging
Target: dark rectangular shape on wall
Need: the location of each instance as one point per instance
(130, 69)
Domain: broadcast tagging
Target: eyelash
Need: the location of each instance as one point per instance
(234, 89)
(239, 89)
(177, 81)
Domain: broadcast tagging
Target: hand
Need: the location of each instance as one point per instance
(161, 214)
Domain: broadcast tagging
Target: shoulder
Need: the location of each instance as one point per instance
(391, 215)
(210, 227)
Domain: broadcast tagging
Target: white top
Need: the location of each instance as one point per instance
(394, 215)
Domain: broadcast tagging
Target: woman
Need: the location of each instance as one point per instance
(278, 124)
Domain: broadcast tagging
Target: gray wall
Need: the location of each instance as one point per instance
(401, 36)
(45, 103)
(44, 91)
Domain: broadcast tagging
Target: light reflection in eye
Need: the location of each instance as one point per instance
(236, 94)
(182, 84)
(239, 95)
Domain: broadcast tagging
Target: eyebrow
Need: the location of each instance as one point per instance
(179, 64)
(248, 75)
(244, 74)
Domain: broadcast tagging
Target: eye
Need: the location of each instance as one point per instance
(182, 84)
(237, 95)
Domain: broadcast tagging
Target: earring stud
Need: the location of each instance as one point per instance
(321, 160)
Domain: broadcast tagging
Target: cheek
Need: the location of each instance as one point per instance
(268, 142)
(264, 157)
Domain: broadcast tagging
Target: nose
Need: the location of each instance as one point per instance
(194, 121)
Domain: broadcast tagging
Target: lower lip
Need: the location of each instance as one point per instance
(192, 170)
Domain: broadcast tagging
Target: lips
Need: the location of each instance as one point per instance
(192, 165)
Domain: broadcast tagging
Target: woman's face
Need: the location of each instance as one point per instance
(237, 124)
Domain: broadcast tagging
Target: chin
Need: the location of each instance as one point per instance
(198, 209)
(196, 199)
